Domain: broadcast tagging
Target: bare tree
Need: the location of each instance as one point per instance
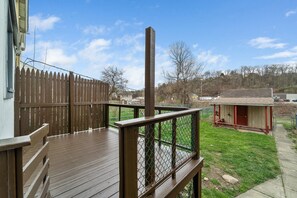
(185, 70)
(115, 78)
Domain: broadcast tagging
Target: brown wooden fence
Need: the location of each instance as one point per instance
(67, 102)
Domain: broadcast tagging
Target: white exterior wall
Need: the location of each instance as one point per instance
(6, 105)
(291, 97)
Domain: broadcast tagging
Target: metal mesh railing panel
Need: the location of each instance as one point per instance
(158, 157)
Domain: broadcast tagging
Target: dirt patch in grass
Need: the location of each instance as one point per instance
(215, 179)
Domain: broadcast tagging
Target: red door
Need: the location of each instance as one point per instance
(242, 115)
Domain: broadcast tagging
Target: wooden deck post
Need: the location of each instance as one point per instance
(136, 112)
(195, 144)
(235, 116)
(266, 121)
(197, 184)
(173, 147)
(149, 72)
(11, 163)
(128, 162)
(159, 130)
(214, 114)
(106, 115)
(71, 104)
(149, 104)
(120, 111)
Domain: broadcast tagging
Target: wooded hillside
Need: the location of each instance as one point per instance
(280, 77)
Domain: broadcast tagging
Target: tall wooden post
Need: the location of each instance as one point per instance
(149, 71)
(71, 103)
(149, 104)
(235, 116)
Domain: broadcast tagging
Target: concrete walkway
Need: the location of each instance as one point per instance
(284, 185)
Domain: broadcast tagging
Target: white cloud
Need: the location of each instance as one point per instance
(294, 48)
(135, 76)
(95, 30)
(43, 23)
(134, 42)
(95, 51)
(195, 45)
(266, 42)
(284, 54)
(208, 58)
(290, 12)
(57, 56)
(129, 39)
(51, 52)
(122, 25)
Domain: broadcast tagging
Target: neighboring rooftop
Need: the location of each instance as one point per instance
(248, 93)
(249, 97)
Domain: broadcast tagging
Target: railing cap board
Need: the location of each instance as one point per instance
(26, 140)
(39, 133)
(142, 106)
(14, 143)
(154, 119)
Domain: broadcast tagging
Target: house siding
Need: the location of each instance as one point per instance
(256, 116)
(6, 105)
(227, 113)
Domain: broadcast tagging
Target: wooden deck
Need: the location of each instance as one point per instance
(84, 164)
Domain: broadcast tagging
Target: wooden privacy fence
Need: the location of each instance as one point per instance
(67, 102)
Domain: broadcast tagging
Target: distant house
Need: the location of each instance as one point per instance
(13, 29)
(126, 98)
(245, 108)
(285, 96)
(205, 98)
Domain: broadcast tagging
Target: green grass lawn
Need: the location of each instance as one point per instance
(249, 157)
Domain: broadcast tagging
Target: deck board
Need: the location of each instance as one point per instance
(84, 164)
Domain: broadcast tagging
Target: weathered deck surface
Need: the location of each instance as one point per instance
(84, 164)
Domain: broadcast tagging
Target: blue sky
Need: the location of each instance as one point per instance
(87, 35)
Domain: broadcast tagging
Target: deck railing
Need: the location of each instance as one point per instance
(147, 162)
(120, 112)
(34, 175)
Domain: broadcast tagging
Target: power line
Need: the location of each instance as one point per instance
(29, 60)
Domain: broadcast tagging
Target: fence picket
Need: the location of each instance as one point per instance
(43, 97)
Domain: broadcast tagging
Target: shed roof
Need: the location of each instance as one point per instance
(244, 101)
(249, 97)
(248, 93)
